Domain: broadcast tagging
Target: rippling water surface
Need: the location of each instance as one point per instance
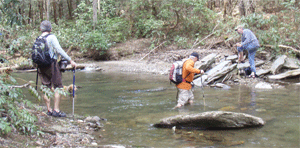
(131, 103)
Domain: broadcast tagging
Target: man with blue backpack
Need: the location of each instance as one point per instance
(44, 54)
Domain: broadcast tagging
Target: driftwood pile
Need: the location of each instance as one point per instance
(227, 68)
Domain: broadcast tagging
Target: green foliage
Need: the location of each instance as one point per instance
(182, 42)
(11, 10)
(177, 21)
(13, 109)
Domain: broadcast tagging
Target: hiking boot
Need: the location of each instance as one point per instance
(58, 114)
(49, 113)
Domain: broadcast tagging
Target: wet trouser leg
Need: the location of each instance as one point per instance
(251, 54)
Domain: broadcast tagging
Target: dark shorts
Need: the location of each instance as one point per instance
(51, 75)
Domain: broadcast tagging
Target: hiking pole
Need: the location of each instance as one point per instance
(37, 78)
(73, 89)
(202, 92)
(202, 87)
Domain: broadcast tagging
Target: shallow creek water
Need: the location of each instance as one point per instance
(132, 103)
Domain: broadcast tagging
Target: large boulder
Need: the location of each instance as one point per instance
(212, 120)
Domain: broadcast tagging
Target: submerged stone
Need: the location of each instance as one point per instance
(212, 120)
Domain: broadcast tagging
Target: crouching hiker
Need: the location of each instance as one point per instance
(249, 43)
(49, 71)
(185, 94)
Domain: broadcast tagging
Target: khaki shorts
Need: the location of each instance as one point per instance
(184, 96)
(51, 75)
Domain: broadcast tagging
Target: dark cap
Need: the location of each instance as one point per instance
(195, 54)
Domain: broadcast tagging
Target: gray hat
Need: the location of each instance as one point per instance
(46, 26)
(239, 26)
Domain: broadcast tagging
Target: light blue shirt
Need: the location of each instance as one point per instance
(248, 37)
(54, 47)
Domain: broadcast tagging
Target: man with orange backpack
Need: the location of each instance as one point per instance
(185, 93)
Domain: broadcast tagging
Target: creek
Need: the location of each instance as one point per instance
(133, 102)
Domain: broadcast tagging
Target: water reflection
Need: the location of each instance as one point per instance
(247, 101)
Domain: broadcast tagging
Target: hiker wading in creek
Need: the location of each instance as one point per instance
(185, 93)
(51, 75)
(249, 43)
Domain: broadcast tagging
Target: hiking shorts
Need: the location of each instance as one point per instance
(51, 75)
(184, 96)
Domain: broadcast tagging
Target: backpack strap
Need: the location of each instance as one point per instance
(45, 37)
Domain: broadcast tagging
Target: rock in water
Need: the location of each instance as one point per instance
(212, 120)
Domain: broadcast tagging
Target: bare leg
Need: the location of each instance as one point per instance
(177, 106)
(241, 57)
(56, 101)
(47, 101)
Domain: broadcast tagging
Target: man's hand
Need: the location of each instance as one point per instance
(201, 71)
(238, 45)
(73, 64)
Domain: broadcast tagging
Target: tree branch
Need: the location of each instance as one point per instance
(20, 86)
(152, 50)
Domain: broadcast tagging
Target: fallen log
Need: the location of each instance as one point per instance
(212, 120)
(278, 63)
(290, 73)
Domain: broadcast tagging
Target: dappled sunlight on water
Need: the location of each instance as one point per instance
(132, 103)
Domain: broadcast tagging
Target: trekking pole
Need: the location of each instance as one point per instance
(202, 87)
(73, 89)
(37, 78)
(202, 92)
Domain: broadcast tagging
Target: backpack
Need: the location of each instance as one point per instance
(40, 52)
(175, 75)
(247, 71)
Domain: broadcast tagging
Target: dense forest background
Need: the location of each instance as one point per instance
(93, 27)
(97, 25)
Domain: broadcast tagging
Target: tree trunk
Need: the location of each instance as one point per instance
(70, 8)
(29, 13)
(41, 3)
(48, 10)
(99, 7)
(60, 8)
(247, 7)
(94, 13)
(54, 12)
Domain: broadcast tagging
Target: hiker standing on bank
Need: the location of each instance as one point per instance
(185, 94)
(51, 75)
(249, 43)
